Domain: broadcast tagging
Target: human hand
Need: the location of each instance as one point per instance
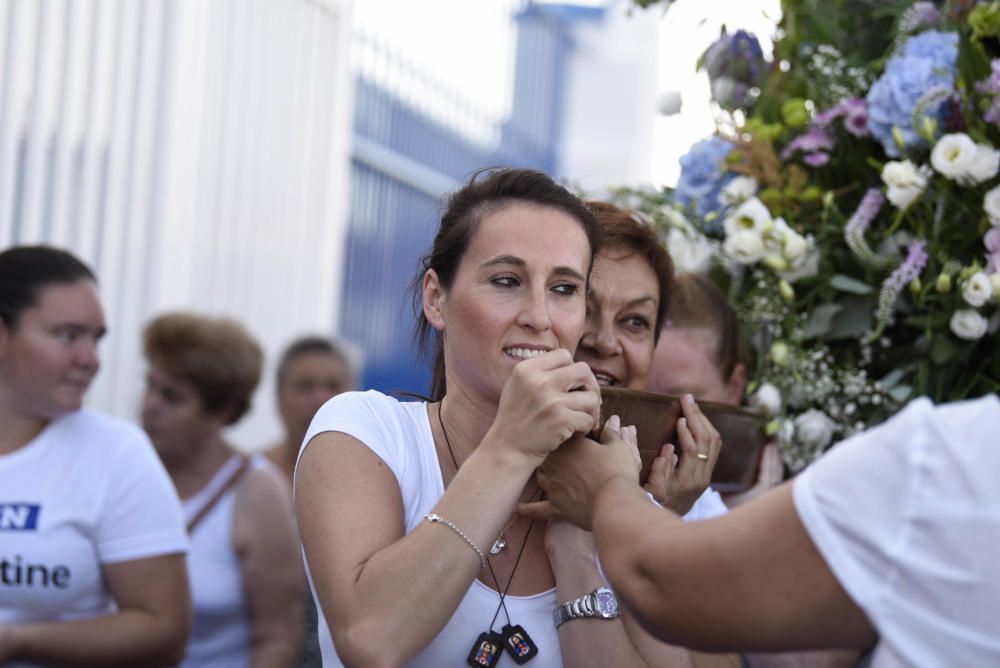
(770, 472)
(677, 482)
(6, 643)
(546, 401)
(573, 474)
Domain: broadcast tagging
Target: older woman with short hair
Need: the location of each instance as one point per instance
(244, 564)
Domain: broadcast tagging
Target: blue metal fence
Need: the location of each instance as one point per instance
(407, 154)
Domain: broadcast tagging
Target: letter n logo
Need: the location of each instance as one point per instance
(19, 516)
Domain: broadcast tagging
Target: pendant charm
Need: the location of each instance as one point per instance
(498, 545)
(486, 651)
(518, 644)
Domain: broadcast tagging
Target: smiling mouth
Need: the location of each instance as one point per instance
(525, 353)
(605, 379)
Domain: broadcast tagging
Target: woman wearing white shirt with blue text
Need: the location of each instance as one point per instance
(92, 541)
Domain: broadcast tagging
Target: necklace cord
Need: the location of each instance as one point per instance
(524, 543)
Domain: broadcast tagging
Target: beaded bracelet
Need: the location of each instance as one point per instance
(434, 518)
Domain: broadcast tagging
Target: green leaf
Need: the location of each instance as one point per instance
(901, 393)
(943, 350)
(892, 378)
(820, 321)
(854, 320)
(851, 285)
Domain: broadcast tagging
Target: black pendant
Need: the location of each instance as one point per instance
(487, 650)
(519, 644)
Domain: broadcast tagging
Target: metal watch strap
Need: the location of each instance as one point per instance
(584, 606)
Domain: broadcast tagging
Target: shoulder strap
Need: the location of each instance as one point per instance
(232, 480)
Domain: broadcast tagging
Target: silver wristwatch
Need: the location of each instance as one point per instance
(600, 603)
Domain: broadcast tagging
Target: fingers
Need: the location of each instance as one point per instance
(705, 436)
(538, 510)
(771, 470)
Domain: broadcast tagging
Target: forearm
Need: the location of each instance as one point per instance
(623, 520)
(276, 650)
(601, 642)
(128, 638)
(405, 593)
(591, 642)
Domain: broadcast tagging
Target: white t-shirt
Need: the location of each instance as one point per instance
(400, 434)
(907, 516)
(88, 490)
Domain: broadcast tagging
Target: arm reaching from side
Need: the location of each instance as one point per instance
(751, 580)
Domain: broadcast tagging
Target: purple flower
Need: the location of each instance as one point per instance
(906, 273)
(991, 86)
(702, 175)
(817, 159)
(924, 13)
(855, 114)
(927, 62)
(854, 231)
(993, 263)
(735, 64)
(814, 144)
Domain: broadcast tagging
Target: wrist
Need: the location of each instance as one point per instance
(10, 642)
(506, 458)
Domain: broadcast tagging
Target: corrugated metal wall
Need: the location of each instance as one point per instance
(195, 153)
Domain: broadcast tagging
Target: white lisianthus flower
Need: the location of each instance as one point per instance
(985, 164)
(767, 399)
(968, 324)
(905, 181)
(691, 254)
(750, 215)
(814, 429)
(995, 284)
(953, 155)
(676, 219)
(745, 246)
(807, 268)
(795, 247)
(991, 204)
(977, 290)
(739, 190)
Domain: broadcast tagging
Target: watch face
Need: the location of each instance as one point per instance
(607, 604)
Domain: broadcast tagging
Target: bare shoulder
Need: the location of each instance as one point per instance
(263, 506)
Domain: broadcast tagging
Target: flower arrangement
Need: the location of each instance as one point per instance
(850, 206)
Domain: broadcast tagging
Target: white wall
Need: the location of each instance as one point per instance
(195, 153)
(611, 99)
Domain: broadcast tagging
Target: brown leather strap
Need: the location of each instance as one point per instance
(233, 479)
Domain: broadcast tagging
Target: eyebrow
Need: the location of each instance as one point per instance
(518, 262)
(641, 300)
(78, 327)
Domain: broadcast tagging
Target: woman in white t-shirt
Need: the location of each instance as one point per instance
(407, 509)
(91, 537)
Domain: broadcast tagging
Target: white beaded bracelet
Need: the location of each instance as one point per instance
(434, 518)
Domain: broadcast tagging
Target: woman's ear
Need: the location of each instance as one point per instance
(736, 384)
(434, 297)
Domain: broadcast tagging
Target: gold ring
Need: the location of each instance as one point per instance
(702, 456)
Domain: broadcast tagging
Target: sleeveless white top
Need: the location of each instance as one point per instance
(220, 635)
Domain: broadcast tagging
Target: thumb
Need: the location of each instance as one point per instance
(538, 510)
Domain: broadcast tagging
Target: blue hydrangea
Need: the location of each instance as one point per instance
(702, 175)
(926, 62)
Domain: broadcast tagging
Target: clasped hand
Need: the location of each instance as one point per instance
(573, 475)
